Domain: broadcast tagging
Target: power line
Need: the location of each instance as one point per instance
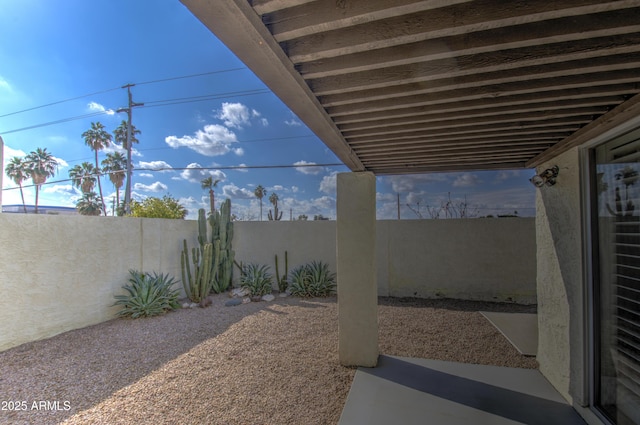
(189, 76)
(117, 88)
(60, 121)
(59, 101)
(176, 101)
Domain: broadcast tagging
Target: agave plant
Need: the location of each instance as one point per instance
(148, 295)
(312, 280)
(257, 279)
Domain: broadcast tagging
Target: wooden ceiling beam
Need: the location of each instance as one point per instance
(317, 17)
(607, 68)
(513, 93)
(525, 42)
(465, 111)
(415, 123)
(480, 15)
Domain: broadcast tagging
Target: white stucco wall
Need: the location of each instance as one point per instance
(476, 259)
(559, 239)
(59, 273)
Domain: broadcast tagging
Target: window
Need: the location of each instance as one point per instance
(615, 175)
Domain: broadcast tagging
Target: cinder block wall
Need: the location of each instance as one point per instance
(59, 273)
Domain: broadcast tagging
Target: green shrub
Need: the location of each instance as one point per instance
(312, 280)
(148, 295)
(256, 279)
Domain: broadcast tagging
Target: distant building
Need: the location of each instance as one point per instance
(42, 209)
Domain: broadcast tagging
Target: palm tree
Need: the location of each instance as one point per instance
(116, 165)
(210, 183)
(120, 135)
(89, 204)
(17, 171)
(97, 139)
(84, 176)
(40, 165)
(260, 193)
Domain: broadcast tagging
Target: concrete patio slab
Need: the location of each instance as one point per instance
(521, 329)
(412, 391)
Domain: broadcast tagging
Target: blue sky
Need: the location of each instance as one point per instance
(65, 49)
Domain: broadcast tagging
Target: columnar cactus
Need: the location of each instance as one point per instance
(213, 259)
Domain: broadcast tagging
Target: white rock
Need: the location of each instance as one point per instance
(283, 295)
(193, 305)
(246, 300)
(185, 305)
(239, 292)
(268, 297)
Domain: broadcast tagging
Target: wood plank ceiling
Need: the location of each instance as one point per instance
(407, 86)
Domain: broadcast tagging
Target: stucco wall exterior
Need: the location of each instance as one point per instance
(561, 312)
(59, 273)
(476, 259)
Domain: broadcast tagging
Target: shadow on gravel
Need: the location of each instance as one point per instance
(457, 305)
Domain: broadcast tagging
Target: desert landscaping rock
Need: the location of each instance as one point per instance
(264, 363)
(232, 303)
(268, 297)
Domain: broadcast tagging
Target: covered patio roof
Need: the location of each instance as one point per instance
(408, 86)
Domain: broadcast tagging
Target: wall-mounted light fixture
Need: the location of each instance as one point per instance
(547, 177)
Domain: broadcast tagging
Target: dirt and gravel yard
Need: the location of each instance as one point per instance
(258, 363)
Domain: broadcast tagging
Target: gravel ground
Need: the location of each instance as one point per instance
(258, 363)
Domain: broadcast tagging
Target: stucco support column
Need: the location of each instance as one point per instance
(356, 269)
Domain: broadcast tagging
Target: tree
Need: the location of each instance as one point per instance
(303, 217)
(116, 165)
(17, 171)
(97, 139)
(276, 215)
(89, 204)
(210, 183)
(260, 193)
(167, 207)
(120, 135)
(84, 176)
(40, 165)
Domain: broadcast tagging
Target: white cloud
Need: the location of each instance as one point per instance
(242, 168)
(293, 121)
(238, 151)
(155, 165)
(61, 162)
(147, 175)
(233, 191)
(466, 180)
(235, 115)
(305, 167)
(407, 183)
(96, 107)
(328, 183)
(212, 140)
(153, 187)
(386, 197)
(5, 86)
(114, 147)
(61, 189)
(277, 187)
(194, 174)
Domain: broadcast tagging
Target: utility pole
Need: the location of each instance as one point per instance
(127, 191)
